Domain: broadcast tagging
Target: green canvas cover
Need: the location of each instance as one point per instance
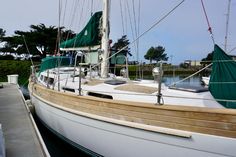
(52, 62)
(89, 36)
(118, 58)
(223, 78)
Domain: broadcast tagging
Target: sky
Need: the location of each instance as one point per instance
(184, 33)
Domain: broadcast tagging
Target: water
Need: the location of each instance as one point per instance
(59, 148)
(193, 81)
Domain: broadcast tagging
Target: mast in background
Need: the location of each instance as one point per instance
(227, 25)
(105, 39)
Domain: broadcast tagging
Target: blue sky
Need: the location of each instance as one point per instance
(183, 34)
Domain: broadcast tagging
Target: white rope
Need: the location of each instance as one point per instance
(190, 75)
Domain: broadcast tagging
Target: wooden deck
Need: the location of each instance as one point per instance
(220, 122)
(137, 88)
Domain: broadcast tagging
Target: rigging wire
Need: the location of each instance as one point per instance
(212, 37)
(145, 32)
(136, 35)
(125, 19)
(80, 19)
(71, 19)
(64, 15)
(76, 15)
(130, 21)
(135, 22)
(122, 18)
(232, 49)
(91, 7)
(139, 10)
(131, 26)
(72, 13)
(128, 16)
(27, 50)
(208, 23)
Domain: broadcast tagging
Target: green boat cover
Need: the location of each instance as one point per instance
(117, 59)
(52, 62)
(223, 78)
(89, 36)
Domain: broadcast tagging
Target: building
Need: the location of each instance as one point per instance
(192, 63)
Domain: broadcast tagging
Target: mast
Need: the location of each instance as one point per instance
(227, 25)
(105, 39)
(59, 39)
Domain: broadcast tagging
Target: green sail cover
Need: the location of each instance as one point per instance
(52, 62)
(117, 59)
(89, 36)
(223, 78)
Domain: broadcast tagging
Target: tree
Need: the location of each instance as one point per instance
(2, 34)
(40, 40)
(156, 53)
(121, 43)
(208, 59)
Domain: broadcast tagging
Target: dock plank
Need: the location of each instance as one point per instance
(20, 137)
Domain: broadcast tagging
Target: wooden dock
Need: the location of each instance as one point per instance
(20, 133)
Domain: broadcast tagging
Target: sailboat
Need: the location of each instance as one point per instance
(108, 115)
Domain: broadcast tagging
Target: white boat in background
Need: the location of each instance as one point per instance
(206, 80)
(108, 115)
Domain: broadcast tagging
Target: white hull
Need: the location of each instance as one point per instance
(110, 139)
(206, 80)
